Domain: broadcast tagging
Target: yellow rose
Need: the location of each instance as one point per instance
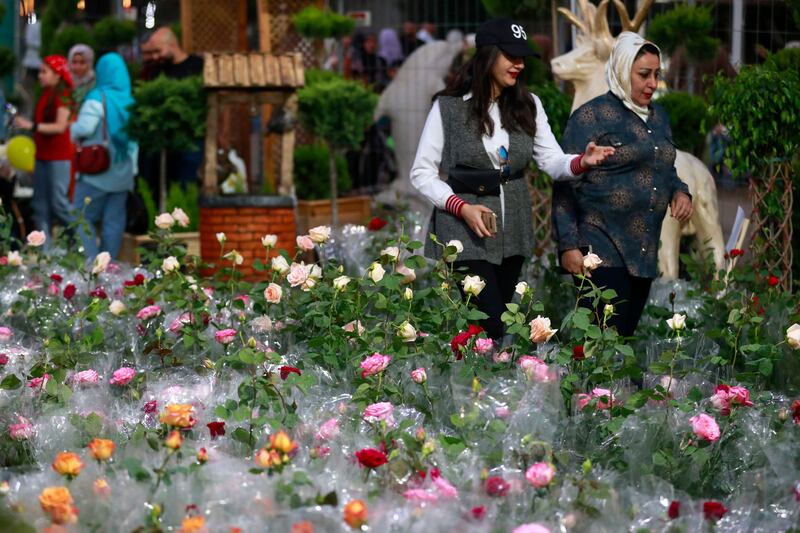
(267, 458)
(282, 442)
(193, 524)
(174, 440)
(57, 502)
(67, 464)
(101, 449)
(100, 487)
(179, 415)
(355, 513)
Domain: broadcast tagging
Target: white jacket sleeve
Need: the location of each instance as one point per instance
(425, 170)
(548, 155)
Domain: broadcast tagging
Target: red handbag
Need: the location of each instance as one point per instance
(94, 158)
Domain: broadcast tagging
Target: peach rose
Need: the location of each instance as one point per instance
(273, 293)
(540, 330)
(179, 415)
(36, 238)
(57, 502)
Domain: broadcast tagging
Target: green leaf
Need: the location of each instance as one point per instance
(765, 367)
(10, 382)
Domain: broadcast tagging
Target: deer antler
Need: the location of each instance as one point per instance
(592, 22)
(573, 18)
(638, 19)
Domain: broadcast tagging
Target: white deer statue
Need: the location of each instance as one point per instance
(584, 66)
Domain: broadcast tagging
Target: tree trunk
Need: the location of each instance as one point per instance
(162, 183)
(334, 189)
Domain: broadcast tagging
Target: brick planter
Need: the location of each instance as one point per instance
(244, 220)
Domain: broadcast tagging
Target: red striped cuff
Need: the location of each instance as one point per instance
(454, 204)
(576, 167)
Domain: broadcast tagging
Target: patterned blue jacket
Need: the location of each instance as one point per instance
(618, 207)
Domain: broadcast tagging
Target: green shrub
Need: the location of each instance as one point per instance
(149, 202)
(68, 36)
(111, 32)
(338, 111)
(556, 104)
(786, 59)
(315, 23)
(685, 26)
(687, 116)
(315, 75)
(8, 61)
(168, 114)
(188, 200)
(311, 173)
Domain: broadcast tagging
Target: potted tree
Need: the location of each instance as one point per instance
(337, 111)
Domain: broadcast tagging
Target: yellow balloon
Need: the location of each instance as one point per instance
(21, 153)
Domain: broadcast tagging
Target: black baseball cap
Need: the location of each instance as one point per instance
(507, 35)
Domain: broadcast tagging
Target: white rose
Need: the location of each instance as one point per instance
(116, 307)
(180, 217)
(268, 241)
(273, 293)
(14, 259)
(608, 310)
(165, 221)
(315, 272)
(170, 264)
(591, 261)
(392, 252)
(235, 257)
(540, 330)
(408, 273)
(407, 332)
(521, 288)
(408, 294)
(340, 283)
(455, 243)
(320, 234)
(677, 322)
(101, 262)
(221, 238)
(473, 285)
(280, 265)
(376, 272)
(793, 336)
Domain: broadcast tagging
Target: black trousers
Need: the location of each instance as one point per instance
(632, 293)
(499, 290)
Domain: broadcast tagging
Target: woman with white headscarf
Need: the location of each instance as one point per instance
(617, 210)
(81, 66)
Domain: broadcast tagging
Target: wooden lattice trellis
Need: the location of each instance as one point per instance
(772, 236)
(541, 207)
(214, 25)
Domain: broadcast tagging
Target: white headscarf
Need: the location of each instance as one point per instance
(619, 66)
(88, 54)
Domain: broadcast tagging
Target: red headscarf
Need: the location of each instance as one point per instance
(59, 64)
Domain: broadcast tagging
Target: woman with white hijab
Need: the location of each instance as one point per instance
(81, 66)
(617, 209)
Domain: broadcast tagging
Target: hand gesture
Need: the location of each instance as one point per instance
(594, 155)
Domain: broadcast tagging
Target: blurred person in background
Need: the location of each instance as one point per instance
(81, 66)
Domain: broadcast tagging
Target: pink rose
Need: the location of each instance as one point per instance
(502, 357)
(36, 238)
(177, 324)
(5, 334)
(225, 336)
(726, 397)
(502, 411)
(298, 274)
(122, 376)
(705, 427)
(37, 383)
(21, 431)
(483, 346)
(420, 496)
(381, 411)
(305, 243)
(148, 312)
(530, 528)
(535, 369)
(444, 488)
(273, 293)
(86, 377)
(540, 474)
(374, 364)
(328, 430)
(603, 393)
(354, 326)
(419, 376)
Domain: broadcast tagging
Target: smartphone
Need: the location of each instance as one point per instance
(490, 221)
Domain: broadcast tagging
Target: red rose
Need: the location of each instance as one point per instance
(3, 359)
(217, 429)
(286, 370)
(796, 411)
(56, 278)
(137, 280)
(773, 280)
(497, 486)
(674, 510)
(462, 338)
(371, 458)
(577, 353)
(478, 512)
(736, 252)
(150, 407)
(69, 291)
(714, 510)
(98, 293)
(376, 223)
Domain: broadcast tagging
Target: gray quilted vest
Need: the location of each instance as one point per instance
(463, 145)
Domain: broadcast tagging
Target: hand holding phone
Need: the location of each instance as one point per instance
(490, 221)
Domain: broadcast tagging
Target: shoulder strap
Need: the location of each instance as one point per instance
(105, 120)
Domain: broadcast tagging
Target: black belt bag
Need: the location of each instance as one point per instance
(478, 181)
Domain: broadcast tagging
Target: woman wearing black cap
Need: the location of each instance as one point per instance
(479, 137)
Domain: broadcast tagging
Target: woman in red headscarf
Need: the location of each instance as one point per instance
(54, 150)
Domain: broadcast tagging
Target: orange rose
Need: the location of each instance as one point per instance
(281, 442)
(57, 502)
(67, 464)
(193, 524)
(355, 513)
(179, 415)
(174, 440)
(267, 458)
(101, 488)
(101, 449)
(303, 527)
